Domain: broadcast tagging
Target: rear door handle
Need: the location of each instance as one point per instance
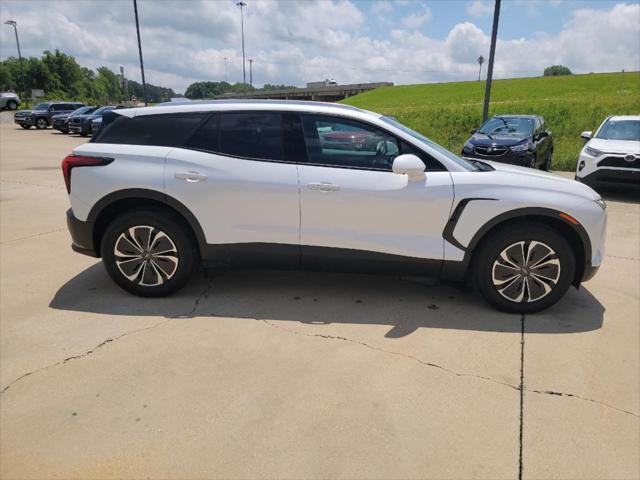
(323, 187)
(190, 177)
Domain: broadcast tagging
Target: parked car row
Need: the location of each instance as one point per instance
(67, 117)
(610, 156)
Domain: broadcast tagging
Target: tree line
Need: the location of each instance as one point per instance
(62, 78)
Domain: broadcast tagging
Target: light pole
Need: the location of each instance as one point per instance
(251, 72)
(14, 24)
(492, 54)
(242, 5)
(225, 70)
(144, 85)
(480, 62)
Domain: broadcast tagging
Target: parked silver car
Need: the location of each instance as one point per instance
(9, 100)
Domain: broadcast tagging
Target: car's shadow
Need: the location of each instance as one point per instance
(404, 304)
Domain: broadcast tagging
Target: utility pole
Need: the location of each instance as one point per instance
(251, 72)
(492, 54)
(144, 85)
(225, 70)
(14, 24)
(480, 62)
(244, 72)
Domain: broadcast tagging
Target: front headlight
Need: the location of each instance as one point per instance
(592, 151)
(468, 147)
(602, 204)
(522, 147)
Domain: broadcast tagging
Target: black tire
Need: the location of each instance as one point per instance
(535, 296)
(25, 126)
(41, 123)
(12, 105)
(172, 273)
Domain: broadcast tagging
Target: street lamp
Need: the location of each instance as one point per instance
(14, 24)
(492, 54)
(480, 62)
(242, 5)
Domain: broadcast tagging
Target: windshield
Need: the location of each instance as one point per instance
(512, 126)
(430, 143)
(41, 106)
(620, 130)
(82, 111)
(101, 110)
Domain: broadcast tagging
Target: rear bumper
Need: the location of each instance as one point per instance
(604, 176)
(81, 235)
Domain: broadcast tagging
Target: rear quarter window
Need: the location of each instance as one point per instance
(159, 130)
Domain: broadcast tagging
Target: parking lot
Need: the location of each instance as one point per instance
(265, 374)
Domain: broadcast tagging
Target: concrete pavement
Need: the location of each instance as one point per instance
(256, 374)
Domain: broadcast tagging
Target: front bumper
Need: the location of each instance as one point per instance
(23, 120)
(519, 159)
(81, 235)
(604, 176)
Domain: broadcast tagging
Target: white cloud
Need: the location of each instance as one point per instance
(188, 41)
(382, 7)
(479, 8)
(417, 20)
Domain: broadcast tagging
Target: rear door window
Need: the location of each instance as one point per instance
(160, 130)
(254, 135)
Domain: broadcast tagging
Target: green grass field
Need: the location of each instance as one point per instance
(446, 112)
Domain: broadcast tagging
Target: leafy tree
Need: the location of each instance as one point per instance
(556, 70)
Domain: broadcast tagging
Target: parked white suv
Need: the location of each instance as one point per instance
(320, 186)
(612, 155)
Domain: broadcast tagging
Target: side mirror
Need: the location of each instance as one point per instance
(586, 135)
(543, 134)
(51, 109)
(410, 165)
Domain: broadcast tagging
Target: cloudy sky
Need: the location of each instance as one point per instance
(350, 41)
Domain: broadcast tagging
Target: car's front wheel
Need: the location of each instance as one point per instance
(149, 253)
(41, 124)
(12, 105)
(523, 268)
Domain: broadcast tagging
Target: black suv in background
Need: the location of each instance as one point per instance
(521, 140)
(81, 124)
(40, 116)
(61, 122)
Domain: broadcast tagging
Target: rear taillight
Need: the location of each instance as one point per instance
(72, 161)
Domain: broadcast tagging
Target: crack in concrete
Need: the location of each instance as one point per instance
(202, 296)
(33, 236)
(564, 394)
(391, 352)
(18, 182)
(623, 258)
(81, 355)
(439, 367)
(521, 433)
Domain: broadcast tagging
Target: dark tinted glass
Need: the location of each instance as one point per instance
(159, 130)
(252, 135)
(207, 136)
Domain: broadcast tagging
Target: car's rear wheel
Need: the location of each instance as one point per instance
(523, 268)
(25, 126)
(149, 253)
(12, 105)
(41, 123)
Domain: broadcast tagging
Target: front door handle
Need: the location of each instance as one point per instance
(323, 187)
(190, 176)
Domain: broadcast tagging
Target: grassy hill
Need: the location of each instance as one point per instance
(446, 112)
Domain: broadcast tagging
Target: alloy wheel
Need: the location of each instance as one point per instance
(41, 123)
(146, 255)
(526, 271)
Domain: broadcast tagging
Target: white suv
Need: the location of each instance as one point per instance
(320, 186)
(612, 155)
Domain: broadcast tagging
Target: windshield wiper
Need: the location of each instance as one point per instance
(486, 134)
